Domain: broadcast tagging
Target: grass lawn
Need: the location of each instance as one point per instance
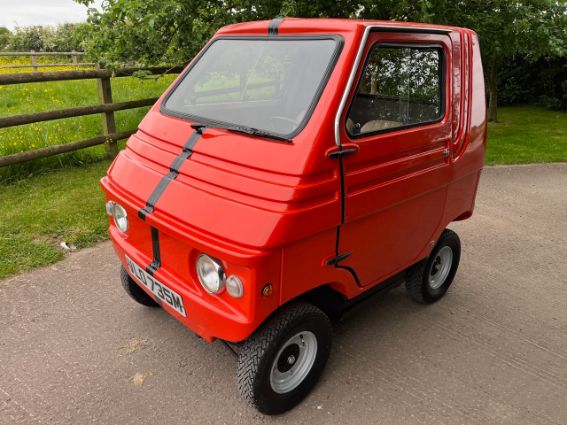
(527, 134)
(42, 210)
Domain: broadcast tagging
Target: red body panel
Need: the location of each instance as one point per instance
(270, 210)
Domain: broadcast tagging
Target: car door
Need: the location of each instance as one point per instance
(395, 185)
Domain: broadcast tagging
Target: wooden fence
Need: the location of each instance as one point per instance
(35, 65)
(106, 107)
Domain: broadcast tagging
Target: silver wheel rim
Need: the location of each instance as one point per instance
(293, 362)
(441, 267)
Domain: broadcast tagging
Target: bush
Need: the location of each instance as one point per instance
(543, 82)
(62, 38)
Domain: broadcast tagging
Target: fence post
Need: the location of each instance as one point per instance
(108, 123)
(33, 61)
(74, 58)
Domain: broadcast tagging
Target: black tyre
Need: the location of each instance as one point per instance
(134, 291)
(283, 360)
(428, 281)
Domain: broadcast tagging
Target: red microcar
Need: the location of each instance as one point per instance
(294, 167)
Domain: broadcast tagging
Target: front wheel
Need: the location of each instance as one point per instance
(429, 280)
(134, 291)
(283, 360)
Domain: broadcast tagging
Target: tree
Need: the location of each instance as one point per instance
(154, 31)
(68, 37)
(33, 37)
(151, 31)
(5, 36)
(507, 29)
(543, 82)
(65, 37)
(172, 31)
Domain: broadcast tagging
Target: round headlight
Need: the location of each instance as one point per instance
(210, 274)
(120, 217)
(234, 286)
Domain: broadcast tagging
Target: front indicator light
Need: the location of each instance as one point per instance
(120, 217)
(234, 286)
(210, 274)
(110, 207)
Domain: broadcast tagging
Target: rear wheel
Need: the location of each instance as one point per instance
(134, 291)
(283, 360)
(429, 280)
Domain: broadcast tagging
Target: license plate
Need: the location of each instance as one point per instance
(161, 291)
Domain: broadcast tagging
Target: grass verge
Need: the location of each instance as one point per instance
(39, 213)
(527, 134)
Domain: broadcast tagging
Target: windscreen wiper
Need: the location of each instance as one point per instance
(254, 132)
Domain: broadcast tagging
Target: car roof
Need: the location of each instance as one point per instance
(291, 26)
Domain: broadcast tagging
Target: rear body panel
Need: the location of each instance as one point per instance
(273, 211)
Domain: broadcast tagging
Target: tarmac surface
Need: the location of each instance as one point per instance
(74, 349)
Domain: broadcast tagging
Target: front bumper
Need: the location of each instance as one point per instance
(203, 317)
(209, 316)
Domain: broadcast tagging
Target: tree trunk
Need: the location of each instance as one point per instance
(493, 94)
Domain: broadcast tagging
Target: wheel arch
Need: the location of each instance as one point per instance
(325, 297)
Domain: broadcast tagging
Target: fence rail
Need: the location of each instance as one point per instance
(87, 74)
(48, 65)
(20, 157)
(73, 112)
(106, 107)
(33, 55)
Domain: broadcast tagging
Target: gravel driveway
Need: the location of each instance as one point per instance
(75, 350)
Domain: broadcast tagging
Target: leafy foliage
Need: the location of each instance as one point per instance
(172, 31)
(507, 29)
(62, 38)
(5, 36)
(543, 82)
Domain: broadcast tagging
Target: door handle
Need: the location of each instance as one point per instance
(345, 149)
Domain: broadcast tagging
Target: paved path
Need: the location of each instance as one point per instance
(75, 350)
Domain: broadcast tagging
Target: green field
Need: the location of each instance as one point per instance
(42, 61)
(38, 97)
(42, 207)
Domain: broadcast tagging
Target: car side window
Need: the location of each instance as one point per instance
(400, 86)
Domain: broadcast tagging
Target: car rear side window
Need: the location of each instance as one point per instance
(401, 86)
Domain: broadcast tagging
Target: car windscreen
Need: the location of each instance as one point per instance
(269, 85)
